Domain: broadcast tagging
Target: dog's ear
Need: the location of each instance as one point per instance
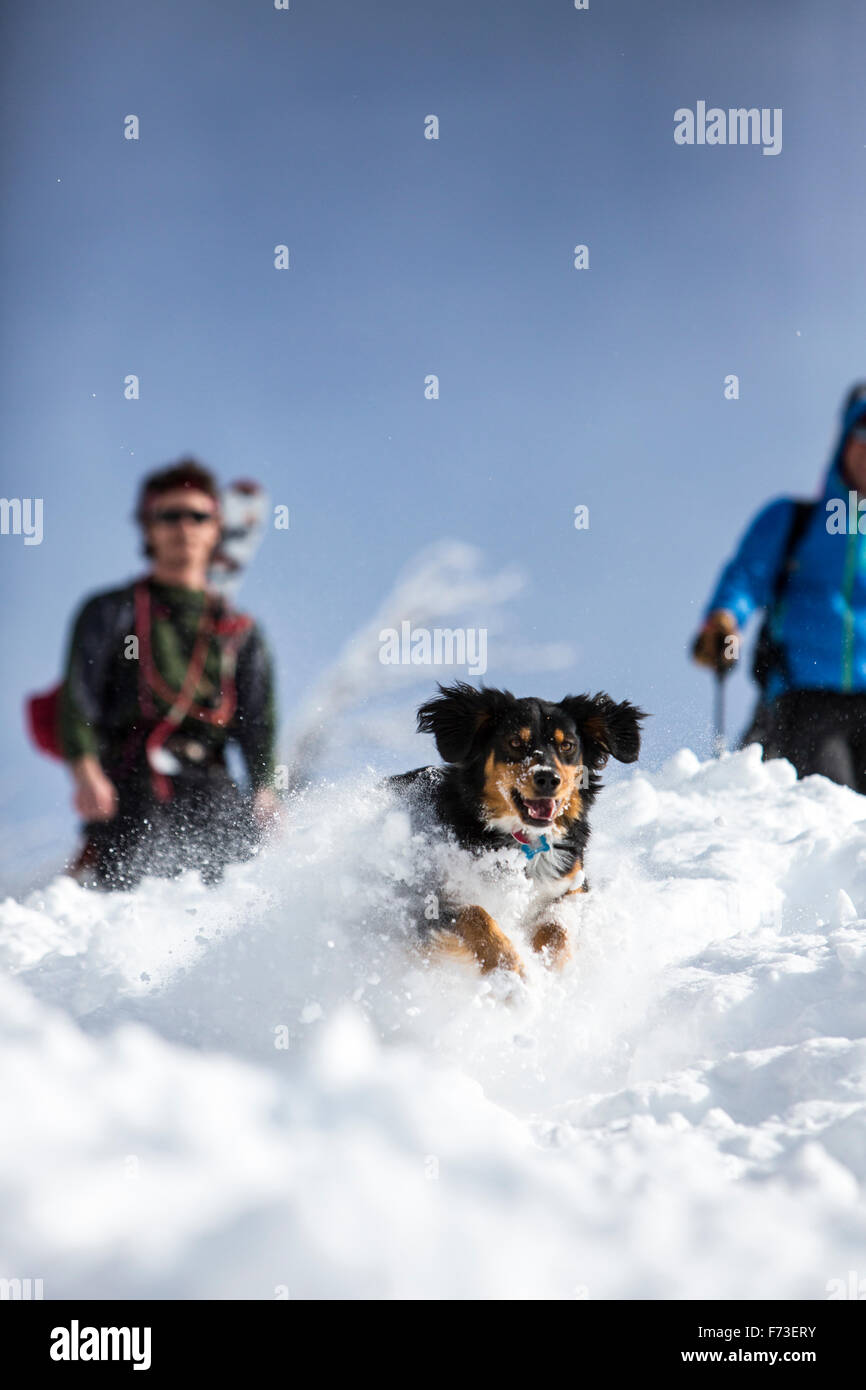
(456, 718)
(606, 729)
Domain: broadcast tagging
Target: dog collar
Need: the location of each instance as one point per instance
(522, 839)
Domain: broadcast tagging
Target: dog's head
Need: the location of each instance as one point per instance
(531, 764)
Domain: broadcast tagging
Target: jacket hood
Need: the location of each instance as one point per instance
(852, 411)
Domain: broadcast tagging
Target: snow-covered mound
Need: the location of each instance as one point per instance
(262, 1090)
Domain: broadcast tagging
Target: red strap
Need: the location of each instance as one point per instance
(182, 702)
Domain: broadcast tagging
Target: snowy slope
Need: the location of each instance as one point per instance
(262, 1091)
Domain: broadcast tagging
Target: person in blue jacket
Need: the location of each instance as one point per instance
(804, 563)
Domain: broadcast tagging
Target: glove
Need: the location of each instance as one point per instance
(711, 647)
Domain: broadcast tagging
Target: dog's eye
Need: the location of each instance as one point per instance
(568, 746)
(515, 745)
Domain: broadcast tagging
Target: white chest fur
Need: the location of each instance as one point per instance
(546, 869)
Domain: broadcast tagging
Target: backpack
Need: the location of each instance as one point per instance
(42, 712)
(769, 655)
(42, 715)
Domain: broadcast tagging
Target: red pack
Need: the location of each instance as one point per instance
(43, 715)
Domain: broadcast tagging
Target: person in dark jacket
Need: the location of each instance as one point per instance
(806, 566)
(160, 675)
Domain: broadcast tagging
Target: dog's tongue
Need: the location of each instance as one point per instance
(542, 810)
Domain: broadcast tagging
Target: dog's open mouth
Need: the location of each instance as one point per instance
(540, 810)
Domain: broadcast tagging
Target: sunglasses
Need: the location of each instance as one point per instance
(170, 516)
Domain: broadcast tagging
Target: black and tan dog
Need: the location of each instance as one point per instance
(520, 774)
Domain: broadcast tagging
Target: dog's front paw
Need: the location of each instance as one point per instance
(474, 934)
(504, 957)
(550, 939)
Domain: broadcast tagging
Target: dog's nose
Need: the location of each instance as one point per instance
(546, 781)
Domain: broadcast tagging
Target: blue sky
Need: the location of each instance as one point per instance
(411, 256)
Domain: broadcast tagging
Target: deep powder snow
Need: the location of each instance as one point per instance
(262, 1090)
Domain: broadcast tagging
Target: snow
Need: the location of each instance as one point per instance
(264, 1091)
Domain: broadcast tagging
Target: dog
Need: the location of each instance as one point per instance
(521, 775)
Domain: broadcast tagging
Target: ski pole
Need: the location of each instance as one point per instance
(719, 741)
